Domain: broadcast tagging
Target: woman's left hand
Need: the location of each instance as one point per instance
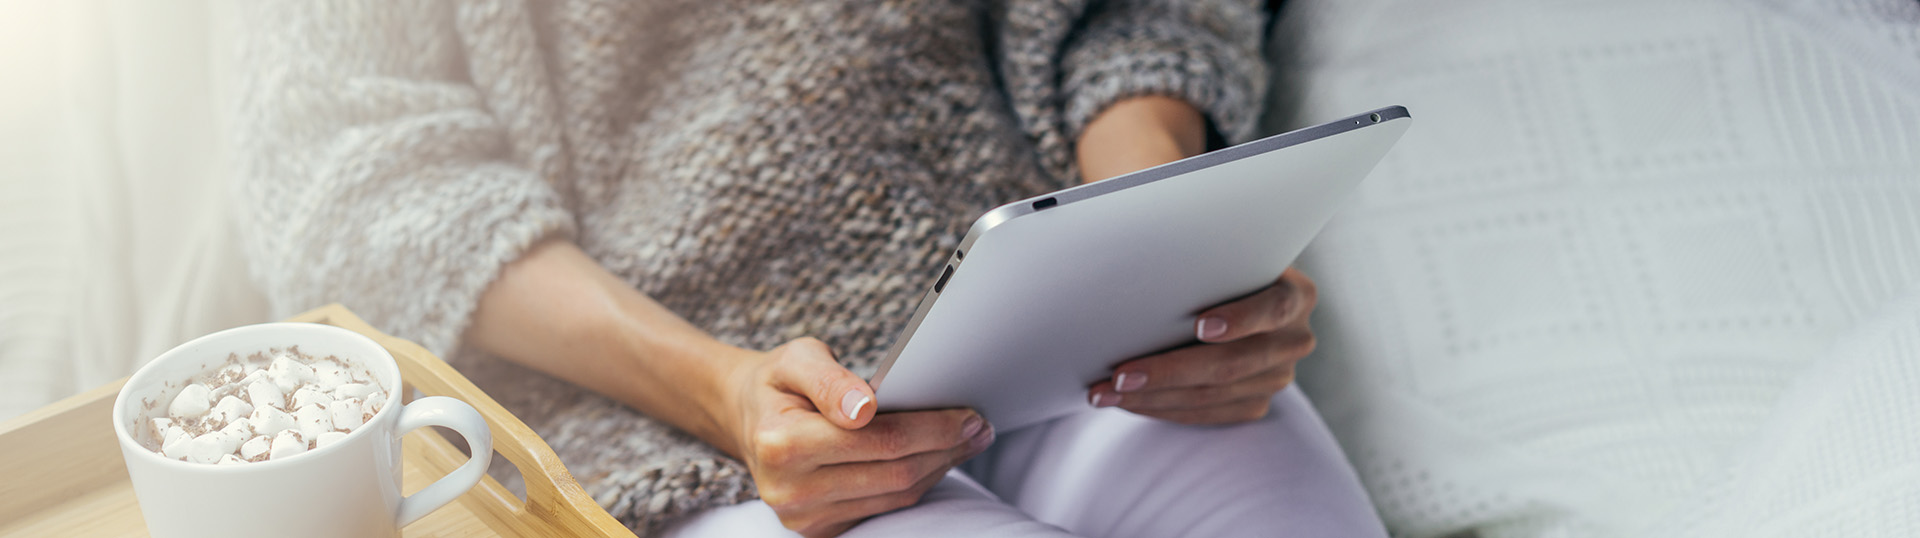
(1249, 346)
(1246, 355)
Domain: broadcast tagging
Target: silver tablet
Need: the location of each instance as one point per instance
(1046, 295)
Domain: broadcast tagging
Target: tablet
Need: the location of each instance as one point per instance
(1046, 295)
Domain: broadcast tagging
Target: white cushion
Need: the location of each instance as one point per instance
(1615, 234)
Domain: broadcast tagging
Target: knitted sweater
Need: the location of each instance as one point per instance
(767, 170)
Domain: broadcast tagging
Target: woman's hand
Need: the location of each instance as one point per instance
(804, 425)
(806, 428)
(1247, 352)
(1248, 347)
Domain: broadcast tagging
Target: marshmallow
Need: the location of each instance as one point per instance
(238, 387)
(191, 402)
(159, 429)
(230, 408)
(176, 443)
(287, 444)
(240, 429)
(375, 402)
(330, 374)
(256, 374)
(269, 420)
(265, 394)
(328, 439)
(255, 447)
(307, 395)
(207, 448)
(232, 372)
(314, 420)
(353, 390)
(346, 414)
(230, 459)
(288, 374)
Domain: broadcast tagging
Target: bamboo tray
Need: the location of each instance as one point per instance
(61, 472)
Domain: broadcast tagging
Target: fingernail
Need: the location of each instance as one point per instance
(980, 441)
(1129, 381)
(971, 426)
(853, 402)
(1211, 327)
(1104, 399)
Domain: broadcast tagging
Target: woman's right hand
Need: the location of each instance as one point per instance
(806, 428)
(804, 425)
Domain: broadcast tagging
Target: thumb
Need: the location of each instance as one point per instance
(809, 370)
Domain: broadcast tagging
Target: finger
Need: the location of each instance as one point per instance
(807, 368)
(1285, 303)
(1231, 413)
(1262, 385)
(832, 518)
(865, 479)
(892, 436)
(829, 531)
(1212, 364)
(880, 504)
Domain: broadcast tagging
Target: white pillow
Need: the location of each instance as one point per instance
(1615, 234)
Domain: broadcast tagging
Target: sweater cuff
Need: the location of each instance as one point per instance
(502, 233)
(415, 262)
(509, 237)
(1229, 99)
(1206, 53)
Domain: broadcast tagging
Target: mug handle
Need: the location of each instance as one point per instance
(461, 418)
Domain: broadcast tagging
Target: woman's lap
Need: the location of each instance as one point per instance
(1109, 473)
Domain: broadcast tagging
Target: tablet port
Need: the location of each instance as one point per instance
(945, 274)
(1044, 203)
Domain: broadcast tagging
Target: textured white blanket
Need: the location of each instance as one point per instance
(1601, 287)
(1840, 455)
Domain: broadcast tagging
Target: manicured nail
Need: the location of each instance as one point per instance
(980, 441)
(971, 426)
(1129, 381)
(1104, 399)
(1211, 327)
(853, 402)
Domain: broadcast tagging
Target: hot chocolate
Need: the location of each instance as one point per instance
(268, 405)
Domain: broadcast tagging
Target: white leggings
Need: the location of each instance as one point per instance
(1109, 473)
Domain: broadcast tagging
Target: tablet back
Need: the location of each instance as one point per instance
(1047, 294)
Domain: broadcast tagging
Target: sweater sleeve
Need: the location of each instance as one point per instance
(1206, 52)
(1063, 61)
(370, 170)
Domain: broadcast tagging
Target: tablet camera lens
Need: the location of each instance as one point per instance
(1375, 117)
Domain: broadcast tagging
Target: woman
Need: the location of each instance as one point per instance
(665, 203)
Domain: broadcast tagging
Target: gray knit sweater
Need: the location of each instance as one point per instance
(767, 170)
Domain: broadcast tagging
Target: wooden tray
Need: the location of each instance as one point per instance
(61, 472)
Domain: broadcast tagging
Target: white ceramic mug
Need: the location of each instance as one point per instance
(348, 488)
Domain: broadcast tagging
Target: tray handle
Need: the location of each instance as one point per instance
(555, 506)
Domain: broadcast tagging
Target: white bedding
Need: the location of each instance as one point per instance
(1839, 455)
(1597, 290)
